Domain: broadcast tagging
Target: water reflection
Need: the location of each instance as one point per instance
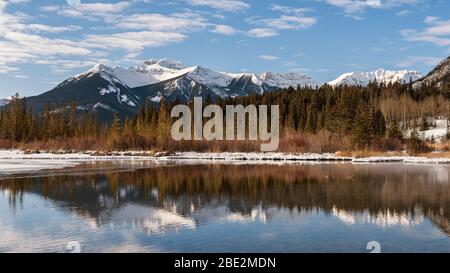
(159, 200)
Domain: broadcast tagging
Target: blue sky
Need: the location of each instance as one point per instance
(44, 42)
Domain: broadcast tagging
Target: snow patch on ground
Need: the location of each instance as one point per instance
(437, 132)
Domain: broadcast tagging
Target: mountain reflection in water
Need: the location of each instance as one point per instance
(169, 199)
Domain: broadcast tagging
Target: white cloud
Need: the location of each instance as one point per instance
(376, 49)
(291, 19)
(301, 70)
(4, 68)
(290, 22)
(49, 8)
(352, 6)
(20, 76)
(20, 44)
(18, 1)
(431, 19)
(23, 42)
(414, 60)
(63, 66)
(403, 12)
(437, 32)
(289, 10)
(44, 46)
(224, 29)
(159, 22)
(358, 6)
(102, 8)
(51, 29)
(226, 5)
(89, 11)
(289, 64)
(134, 41)
(268, 57)
(70, 13)
(262, 33)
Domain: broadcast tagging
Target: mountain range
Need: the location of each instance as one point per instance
(108, 89)
(380, 76)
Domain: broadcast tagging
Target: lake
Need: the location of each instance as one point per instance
(142, 206)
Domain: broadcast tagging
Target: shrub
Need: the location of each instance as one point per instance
(415, 145)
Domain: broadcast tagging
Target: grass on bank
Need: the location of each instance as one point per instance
(321, 142)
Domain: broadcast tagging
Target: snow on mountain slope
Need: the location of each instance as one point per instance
(7, 100)
(288, 79)
(156, 71)
(110, 89)
(380, 76)
(438, 77)
(149, 72)
(4, 101)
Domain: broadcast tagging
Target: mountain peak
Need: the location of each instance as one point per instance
(285, 80)
(380, 76)
(439, 76)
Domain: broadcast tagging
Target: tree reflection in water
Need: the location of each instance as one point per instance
(379, 194)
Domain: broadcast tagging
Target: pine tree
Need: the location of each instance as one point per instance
(163, 126)
(115, 132)
(311, 121)
(394, 131)
(361, 128)
(46, 122)
(73, 119)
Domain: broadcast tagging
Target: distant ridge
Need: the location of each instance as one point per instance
(380, 76)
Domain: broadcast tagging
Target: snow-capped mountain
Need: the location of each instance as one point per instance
(171, 80)
(380, 76)
(285, 80)
(109, 89)
(438, 77)
(4, 101)
(7, 100)
(156, 71)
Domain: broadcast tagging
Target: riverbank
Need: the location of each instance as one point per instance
(10, 157)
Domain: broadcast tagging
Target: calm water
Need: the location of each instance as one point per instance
(123, 207)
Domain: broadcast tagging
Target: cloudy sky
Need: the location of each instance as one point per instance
(44, 42)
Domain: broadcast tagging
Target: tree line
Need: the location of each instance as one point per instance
(374, 117)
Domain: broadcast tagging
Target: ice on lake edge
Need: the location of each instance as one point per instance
(15, 161)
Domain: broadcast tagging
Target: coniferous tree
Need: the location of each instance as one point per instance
(115, 132)
(164, 125)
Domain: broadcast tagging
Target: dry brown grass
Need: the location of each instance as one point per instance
(77, 144)
(321, 142)
(442, 146)
(367, 153)
(295, 142)
(436, 155)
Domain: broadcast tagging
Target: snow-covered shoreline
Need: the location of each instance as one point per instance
(222, 156)
(16, 161)
(310, 157)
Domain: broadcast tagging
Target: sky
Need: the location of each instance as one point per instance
(43, 42)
